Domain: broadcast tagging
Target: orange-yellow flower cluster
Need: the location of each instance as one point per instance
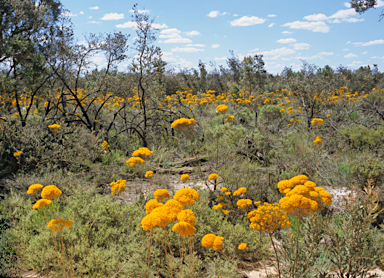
(268, 218)
(222, 108)
(34, 188)
(316, 122)
(213, 177)
(132, 161)
(142, 153)
(54, 127)
(241, 190)
(105, 145)
(118, 186)
(230, 118)
(59, 224)
(186, 196)
(16, 154)
(41, 203)
(242, 246)
(182, 124)
(50, 192)
(184, 177)
(244, 203)
(318, 140)
(149, 174)
(161, 194)
(186, 226)
(212, 241)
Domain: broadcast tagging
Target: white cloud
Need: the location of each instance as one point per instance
(308, 57)
(94, 22)
(315, 26)
(286, 32)
(213, 14)
(380, 3)
(141, 11)
(89, 17)
(81, 12)
(178, 40)
(336, 21)
(316, 17)
(348, 42)
(271, 25)
(347, 4)
(67, 13)
(187, 49)
(365, 52)
(247, 21)
(94, 8)
(345, 49)
(221, 58)
(325, 53)
(350, 55)
(112, 16)
(159, 26)
(355, 63)
(215, 45)
(377, 57)
(192, 33)
(301, 46)
(170, 31)
(271, 15)
(278, 52)
(254, 50)
(235, 15)
(290, 40)
(196, 44)
(375, 42)
(129, 24)
(342, 14)
(353, 20)
(82, 43)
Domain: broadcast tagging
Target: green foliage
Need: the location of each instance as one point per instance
(371, 168)
(269, 113)
(362, 137)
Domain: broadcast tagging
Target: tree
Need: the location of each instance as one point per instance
(361, 6)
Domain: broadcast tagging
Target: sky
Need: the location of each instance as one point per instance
(325, 32)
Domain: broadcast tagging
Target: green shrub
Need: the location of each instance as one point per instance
(371, 168)
(269, 113)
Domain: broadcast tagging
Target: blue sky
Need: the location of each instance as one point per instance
(325, 32)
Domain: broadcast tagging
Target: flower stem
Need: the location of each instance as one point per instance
(297, 247)
(277, 256)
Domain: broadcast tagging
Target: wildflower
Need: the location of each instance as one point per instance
(149, 174)
(183, 123)
(187, 216)
(282, 110)
(218, 243)
(223, 189)
(241, 190)
(174, 208)
(50, 192)
(213, 177)
(186, 196)
(316, 122)
(226, 212)
(329, 115)
(134, 160)
(41, 203)
(228, 193)
(161, 194)
(56, 224)
(142, 153)
(34, 188)
(230, 118)
(244, 203)
(220, 198)
(105, 145)
(318, 140)
(184, 177)
(222, 108)
(54, 127)
(16, 154)
(118, 186)
(184, 229)
(151, 205)
(208, 240)
(3, 118)
(96, 121)
(242, 246)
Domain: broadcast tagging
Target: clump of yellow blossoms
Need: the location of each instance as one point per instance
(105, 145)
(223, 189)
(54, 127)
(182, 124)
(268, 218)
(230, 118)
(142, 153)
(302, 197)
(222, 108)
(213, 177)
(50, 192)
(186, 196)
(34, 188)
(59, 224)
(151, 205)
(187, 222)
(212, 241)
(318, 140)
(244, 203)
(16, 154)
(132, 161)
(118, 186)
(316, 122)
(41, 203)
(184, 177)
(149, 174)
(161, 194)
(242, 246)
(241, 190)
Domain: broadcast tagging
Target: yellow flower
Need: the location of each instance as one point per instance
(132, 161)
(16, 154)
(161, 194)
(318, 140)
(223, 189)
(220, 198)
(228, 193)
(187, 216)
(184, 229)
(226, 212)
(242, 246)
(3, 118)
(244, 203)
(241, 190)
(105, 145)
(151, 205)
(208, 240)
(34, 188)
(329, 115)
(230, 118)
(182, 124)
(149, 174)
(222, 108)
(118, 186)
(142, 153)
(56, 224)
(186, 196)
(213, 177)
(50, 192)
(41, 203)
(316, 122)
(184, 177)
(54, 126)
(218, 243)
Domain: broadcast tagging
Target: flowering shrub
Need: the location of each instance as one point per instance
(118, 187)
(316, 122)
(182, 124)
(222, 108)
(230, 118)
(132, 161)
(184, 177)
(268, 218)
(143, 153)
